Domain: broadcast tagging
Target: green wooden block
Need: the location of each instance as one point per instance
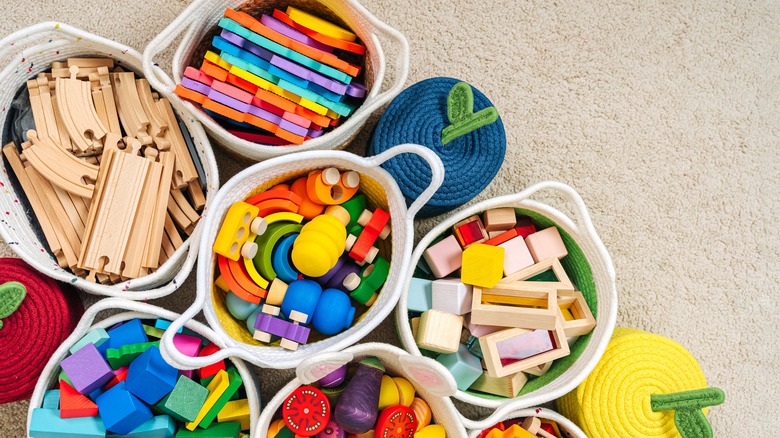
(64, 378)
(185, 401)
(235, 382)
(205, 382)
(547, 275)
(153, 331)
(230, 429)
(122, 356)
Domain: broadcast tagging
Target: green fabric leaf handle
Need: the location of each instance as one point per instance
(12, 294)
(460, 112)
(687, 407)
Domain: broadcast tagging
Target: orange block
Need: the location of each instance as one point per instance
(241, 276)
(271, 206)
(324, 39)
(186, 93)
(213, 70)
(232, 284)
(74, 404)
(275, 193)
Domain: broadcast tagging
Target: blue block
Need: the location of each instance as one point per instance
(131, 332)
(86, 369)
(51, 399)
(464, 366)
(46, 423)
(149, 377)
(96, 336)
(418, 298)
(121, 411)
(96, 393)
(163, 325)
(161, 426)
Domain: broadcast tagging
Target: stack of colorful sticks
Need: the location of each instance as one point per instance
(277, 80)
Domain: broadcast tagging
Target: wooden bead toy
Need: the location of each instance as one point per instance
(507, 386)
(513, 350)
(452, 296)
(239, 308)
(444, 257)
(396, 421)
(511, 305)
(499, 219)
(185, 400)
(516, 256)
(546, 244)
(470, 231)
(375, 226)
(464, 366)
(372, 278)
(319, 245)
(302, 296)
(356, 409)
(439, 331)
(420, 295)
(388, 393)
(333, 313)
(483, 265)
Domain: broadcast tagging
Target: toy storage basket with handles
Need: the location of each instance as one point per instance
(35, 48)
(565, 425)
(135, 310)
(381, 191)
(431, 381)
(201, 16)
(588, 265)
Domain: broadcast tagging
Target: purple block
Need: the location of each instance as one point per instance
(314, 133)
(292, 127)
(284, 329)
(247, 45)
(356, 90)
(337, 280)
(263, 114)
(195, 86)
(228, 101)
(305, 73)
(276, 25)
(87, 369)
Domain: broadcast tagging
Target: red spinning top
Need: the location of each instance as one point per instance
(396, 422)
(306, 411)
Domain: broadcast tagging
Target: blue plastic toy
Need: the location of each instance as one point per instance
(334, 312)
(281, 259)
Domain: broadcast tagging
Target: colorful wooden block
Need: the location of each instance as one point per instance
(470, 231)
(452, 296)
(516, 256)
(121, 411)
(87, 369)
(550, 267)
(234, 383)
(525, 227)
(479, 330)
(538, 370)
(464, 366)
(546, 244)
(499, 219)
(161, 426)
(46, 423)
(120, 375)
(51, 399)
(513, 350)
(499, 237)
(96, 336)
(444, 257)
(237, 411)
(124, 355)
(185, 401)
(218, 430)
(507, 386)
(581, 321)
(419, 295)
(129, 332)
(439, 331)
(188, 346)
(527, 305)
(212, 369)
(235, 230)
(483, 265)
(74, 405)
(150, 377)
(218, 385)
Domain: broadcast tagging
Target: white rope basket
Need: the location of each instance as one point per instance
(603, 274)
(201, 16)
(35, 48)
(143, 311)
(432, 382)
(380, 189)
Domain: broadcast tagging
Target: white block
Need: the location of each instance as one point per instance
(516, 256)
(451, 296)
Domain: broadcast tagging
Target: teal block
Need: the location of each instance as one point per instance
(161, 426)
(230, 429)
(46, 423)
(472, 344)
(418, 298)
(96, 336)
(185, 401)
(51, 399)
(464, 366)
(163, 325)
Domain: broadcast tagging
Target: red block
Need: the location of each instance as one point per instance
(501, 238)
(212, 369)
(73, 404)
(525, 227)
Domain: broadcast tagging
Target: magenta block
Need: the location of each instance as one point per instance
(188, 346)
(87, 369)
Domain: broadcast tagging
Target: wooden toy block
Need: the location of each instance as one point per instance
(120, 375)
(479, 330)
(526, 275)
(546, 244)
(87, 369)
(464, 366)
(470, 231)
(516, 256)
(525, 227)
(414, 324)
(362, 248)
(234, 384)
(439, 331)
(580, 320)
(507, 386)
(483, 265)
(513, 350)
(129, 332)
(61, 168)
(538, 370)
(161, 426)
(185, 401)
(212, 369)
(444, 257)
(236, 410)
(235, 230)
(46, 423)
(372, 278)
(124, 355)
(527, 305)
(499, 237)
(121, 411)
(95, 336)
(451, 296)
(419, 295)
(324, 39)
(219, 430)
(149, 377)
(74, 405)
(500, 219)
(216, 388)
(292, 333)
(51, 399)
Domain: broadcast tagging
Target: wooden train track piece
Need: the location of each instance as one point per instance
(74, 101)
(65, 141)
(128, 104)
(37, 108)
(185, 206)
(157, 227)
(60, 167)
(184, 170)
(90, 62)
(45, 101)
(139, 233)
(158, 122)
(197, 196)
(108, 100)
(173, 233)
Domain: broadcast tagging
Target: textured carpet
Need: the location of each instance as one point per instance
(664, 115)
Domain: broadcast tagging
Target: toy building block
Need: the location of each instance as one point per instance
(185, 401)
(499, 237)
(419, 295)
(51, 399)
(375, 226)
(87, 369)
(73, 404)
(218, 385)
(236, 228)
(546, 268)
(212, 369)
(292, 333)
(526, 305)
(235, 382)
(46, 423)
(464, 366)
(472, 345)
(149, 376)
(513, 350)
(499, 219)
(120, 375)
(538, 370)
(445, 257)
(236, 410)
(578, 320)
(372, 278)
(507, 386)
(483, 265)
(546, 244)
(439, 331)
(161, 426)
(188, 346)
(414, 324)
(516, 256)
(470, 231)
(479, 330)
(451, 296)
(124, 355)
(129, 332)
(218, 430)
(525, 227)
(95, 336)
(121, 411)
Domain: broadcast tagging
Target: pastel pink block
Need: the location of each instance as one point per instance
(546, 244)
(478, 330)
(516, 255)
(445, 257)
(197, 75)
(234, 92)
(188, 346)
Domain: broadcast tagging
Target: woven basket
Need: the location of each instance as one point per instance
(200, 19)
(35, 48)
(135, 310)
(564, 423)
(432, 382)
(380, 190)
(589, 266)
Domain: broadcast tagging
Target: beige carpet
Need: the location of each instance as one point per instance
(664, 115)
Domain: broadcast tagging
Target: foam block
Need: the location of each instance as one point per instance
(87, 369)
(217, 430)
(51, 399)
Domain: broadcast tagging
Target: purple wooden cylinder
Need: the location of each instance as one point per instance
(357, 408)
(337, 280)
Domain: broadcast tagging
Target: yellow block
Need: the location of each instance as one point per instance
(234, 231)
(218, 385)
(236, 410)
(319, 25)
(216, 59)
(483, 265)
(388, 393)
(433, 431)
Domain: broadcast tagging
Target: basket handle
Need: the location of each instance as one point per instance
(433, 160)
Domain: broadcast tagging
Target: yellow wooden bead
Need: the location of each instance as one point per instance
(405, 391)
(388, 393)
(431, 431)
